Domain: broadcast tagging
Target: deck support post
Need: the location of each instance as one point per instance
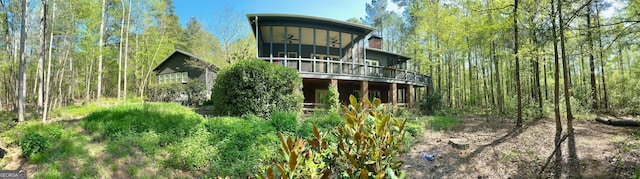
(410, 96)
(364, 90)
(394, 97)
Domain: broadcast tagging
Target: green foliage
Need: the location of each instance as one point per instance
(241, 145)
(368, 145)
(165, 92)
(431, 103)
(256, 87)
(442, 122)
(171, 121)
(284, 121)
(196, 92)
(375, 139)
(333, 99)
(193, 153)
(325, 120)
(415, 128)
(32, 143)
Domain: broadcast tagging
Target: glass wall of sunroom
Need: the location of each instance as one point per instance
(312, 49)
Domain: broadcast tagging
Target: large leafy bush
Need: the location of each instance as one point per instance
(164, 92)
(195, 92)
(368, 145)
(256, 87)
(333, 99)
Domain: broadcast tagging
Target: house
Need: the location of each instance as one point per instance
(181, 67)
(326, 51)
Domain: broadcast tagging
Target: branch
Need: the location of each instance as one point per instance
(552, 153)
(610, 24)
(575, 13)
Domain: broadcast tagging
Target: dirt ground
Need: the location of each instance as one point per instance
(497, 150)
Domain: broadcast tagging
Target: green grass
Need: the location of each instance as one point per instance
(167, 138)
(87, 108)
(441, 122)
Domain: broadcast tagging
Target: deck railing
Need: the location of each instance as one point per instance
(335, 67)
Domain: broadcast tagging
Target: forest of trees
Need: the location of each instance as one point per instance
(500, 54)
(59, 52)
(521, 58)
(526, 59)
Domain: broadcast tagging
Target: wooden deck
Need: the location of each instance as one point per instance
(333, 69)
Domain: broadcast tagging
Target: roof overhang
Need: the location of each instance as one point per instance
(209, 65)
(303, 19)
(389, 53)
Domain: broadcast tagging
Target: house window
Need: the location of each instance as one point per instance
(182, 77)
(185, 77)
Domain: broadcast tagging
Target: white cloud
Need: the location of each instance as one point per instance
(611, 11)
(393, 7)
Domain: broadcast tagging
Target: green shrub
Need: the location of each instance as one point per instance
(256, 87)
(443, 122)
(193, 153)
(431, 103)
(33, 143)
(196, 92)
(171, 122)
(415, 128)
(284, 121)
(165, 92)
(368, 144)
(325, 120)
(242, 145)
(333, 99)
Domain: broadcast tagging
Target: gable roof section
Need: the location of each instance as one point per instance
(388, 53)
(211, 66)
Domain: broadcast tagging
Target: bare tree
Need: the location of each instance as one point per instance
(229, 31)
(120, 52)
(515, 53)
(126, 49)
(22, 74)
(43, 25)
(101, 43)
(47, 89)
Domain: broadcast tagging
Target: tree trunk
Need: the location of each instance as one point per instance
(546, 85)
(602, 65)
(617, 122)
(536, 71)
(449, 79)
(556, 97)
(47, 89)
(573, 156)
(594, 93)
(126, 50)
(471, 92)
(515, 53)
(120, 52)
(438, 68)
(22, 74)
(43, 24)
(101, 43)
(496, 66)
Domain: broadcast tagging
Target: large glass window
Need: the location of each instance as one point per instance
(182, 77)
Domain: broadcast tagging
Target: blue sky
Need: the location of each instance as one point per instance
(209, 12)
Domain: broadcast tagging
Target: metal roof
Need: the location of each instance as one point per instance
(210, 65)
(387, 52)
(251, 17)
